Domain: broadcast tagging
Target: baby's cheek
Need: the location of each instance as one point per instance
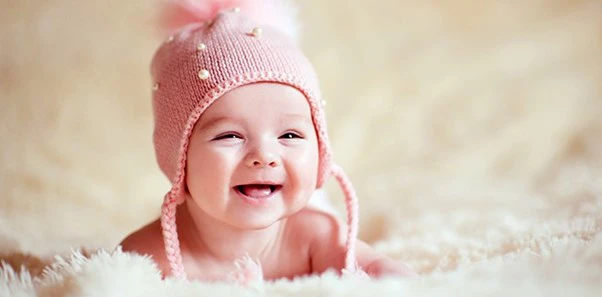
(306, 163)
(210, 174)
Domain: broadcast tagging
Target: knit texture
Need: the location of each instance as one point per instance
(197, 65)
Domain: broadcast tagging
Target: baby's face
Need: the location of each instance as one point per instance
(253, 156)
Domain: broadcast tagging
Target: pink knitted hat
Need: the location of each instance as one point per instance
(212, 52)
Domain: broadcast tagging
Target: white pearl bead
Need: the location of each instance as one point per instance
(169, 39)
(236, 9)
(201, 46)
(257, 32)
(204, 74)
(155, 86)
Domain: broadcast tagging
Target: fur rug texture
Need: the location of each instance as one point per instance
(471, 129)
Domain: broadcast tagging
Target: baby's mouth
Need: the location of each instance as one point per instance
(258, 191)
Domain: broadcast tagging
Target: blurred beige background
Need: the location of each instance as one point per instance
(465, 115)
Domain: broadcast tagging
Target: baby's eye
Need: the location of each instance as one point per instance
(290, 135)
(228, 136)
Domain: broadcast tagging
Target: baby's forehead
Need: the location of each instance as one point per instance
(260, 100)
(265, 89)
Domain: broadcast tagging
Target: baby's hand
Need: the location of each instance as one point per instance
(388, 267)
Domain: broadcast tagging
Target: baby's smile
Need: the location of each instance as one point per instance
(256, 193)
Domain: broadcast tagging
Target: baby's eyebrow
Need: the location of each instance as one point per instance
(301, 118)
(214, 122)
(287, 118)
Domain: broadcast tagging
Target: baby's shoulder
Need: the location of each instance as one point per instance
(325, 235)
(317, 226)
(148, 241)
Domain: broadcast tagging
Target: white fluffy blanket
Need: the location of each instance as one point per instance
(563, 266)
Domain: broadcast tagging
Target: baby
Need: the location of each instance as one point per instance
(241, 134)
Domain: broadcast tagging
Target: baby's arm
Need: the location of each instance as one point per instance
(327, 251)
(148, 241)
(376, 264)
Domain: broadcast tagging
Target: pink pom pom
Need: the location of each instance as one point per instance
(276, 13)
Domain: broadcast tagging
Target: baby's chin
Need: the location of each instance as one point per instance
(254, 224)
(260, 220)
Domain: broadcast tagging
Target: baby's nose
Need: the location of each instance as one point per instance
(262, 159)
